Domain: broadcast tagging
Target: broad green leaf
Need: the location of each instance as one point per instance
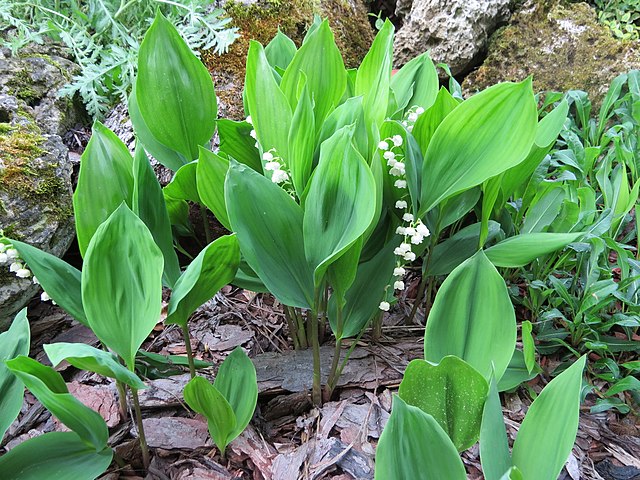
(280, 51)
(205, 399)
(351, 112)
(429, 121)
(342, 273)
(472, 318)
(174, 91)
(547, 434)
(49, 388)
(13, 343)
(86, 357)
(148, 203)
(248, 279)
(452, 252)
(122, 283)
(60, 280)
(374, 78)
(339, 206)
(494, 445)
(213, 268)
(268, 106)
(543, 212)
(522, 249)
(481, 138)
(416, 83)
(517, 372)
(452, 392)
(59, 455)
(512, 474)
(104, 182)
(184, 184)
(236, 141)
(165, 155)
(413, 445)
(268, 223)
(365, 294)
(320, 61)
(453, 209)
(210, 174)
(528, 346)
(302, 141)
(236, 381)
(626, 384)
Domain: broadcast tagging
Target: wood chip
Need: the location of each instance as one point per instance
(176, 433)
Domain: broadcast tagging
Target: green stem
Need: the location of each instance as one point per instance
(426, 278)
(301, 330)
(346, 359)
(187, 342)
(143, 441)
(293, 329)
(316, 395)
(376, 328)
(331, 380)
(122, 398)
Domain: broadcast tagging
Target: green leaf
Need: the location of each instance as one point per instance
(60, 280)
(626, 384)
(414, 446)
(104, 182)
(86, 357)
(452, 392)
(320, 61)
(512, 474)
(416, 83)
(205, 399)
(13, 343)
(547, 434)
(213, 268)
(481, 138)
(148, 203)
(165, 155)
(349, 113)
(122, 283)
(528, 346)
(174, 91)
(374, 78)
(268, 223)
(452, 252)
(520, 250)
(366, 292)
(280, 51)
(236, 141)
(429, 121)
(237, 382)
(302, 141)
(472, 318)
(517, 372)
(494, 445)
(184, 184)
(543, 212)
(338, 208)
(210, 174)
(59, 455)
(48, 386)
(266, 103)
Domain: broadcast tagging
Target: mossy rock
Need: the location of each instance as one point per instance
(260, 21)
(562, 45)
(35, 196)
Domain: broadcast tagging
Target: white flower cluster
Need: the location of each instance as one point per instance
(10, 256)
(412, 117)
(275, 165)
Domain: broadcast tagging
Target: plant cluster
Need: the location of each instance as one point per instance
(103, 36)
(337, 183)
(622, 17)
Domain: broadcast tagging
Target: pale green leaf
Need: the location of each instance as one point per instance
(519, 250)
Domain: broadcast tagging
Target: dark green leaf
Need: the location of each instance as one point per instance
(210, 175)
(522, 249)
(494, 446)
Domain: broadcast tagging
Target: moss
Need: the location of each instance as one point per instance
(20, 147)
(20, 86)
(561, 45)
(261, 22)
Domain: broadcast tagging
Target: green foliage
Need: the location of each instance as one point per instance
(104, 38)
(621, 16)
(229, 403)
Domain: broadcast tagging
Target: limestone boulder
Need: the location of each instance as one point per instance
(456, 32)
(562, 45)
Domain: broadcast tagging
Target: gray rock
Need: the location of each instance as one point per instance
(454, 31)
(35, 195)
(35, 77)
